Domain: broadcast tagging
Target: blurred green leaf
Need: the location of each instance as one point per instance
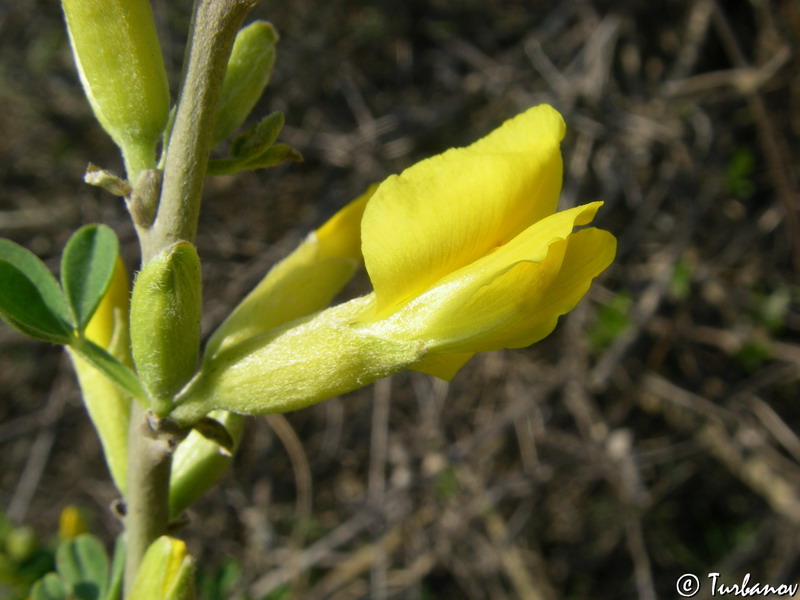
(771, 308)
(753, 354)
(114, 588)
(82, 562)
(446, 483)
(30, 297)
(220, 584)
(50, 587)
(681, 282)
(612, 319)
(283, 592)
(21, 543)
(87, 266)
(739, 175)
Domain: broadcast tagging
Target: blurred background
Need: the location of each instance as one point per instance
(653, 434)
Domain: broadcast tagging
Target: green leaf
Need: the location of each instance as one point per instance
(50, 587)
(258, 138)
(114, 589)
(30, 297)
(247, 74)
(111, 368)
(273, 156)
(87, 266)
(256, 149)
(82, 562)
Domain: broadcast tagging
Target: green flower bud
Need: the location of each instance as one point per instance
(165, 322)
(249, 69)
(120, 65)
(198, 463)
(166, 572)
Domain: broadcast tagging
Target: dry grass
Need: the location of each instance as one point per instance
(653, 434)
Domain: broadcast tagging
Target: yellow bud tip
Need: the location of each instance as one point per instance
(71, 523)
(174, 563)
(101, 326)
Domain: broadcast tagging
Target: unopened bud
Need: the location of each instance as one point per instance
(119, 60)
(165, 322)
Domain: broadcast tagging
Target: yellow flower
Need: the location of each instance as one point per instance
(466, 250)
(466, 254)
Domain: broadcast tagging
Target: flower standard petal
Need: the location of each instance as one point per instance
(446, 212)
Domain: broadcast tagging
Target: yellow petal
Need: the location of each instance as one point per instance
(521, 306)
(340, 236)
(167, 572)
(71, 523)
(108, 407)
(101, 326)
(478, 298)
(304, 282)
(448, 211)
(443, 366)
(589, 252)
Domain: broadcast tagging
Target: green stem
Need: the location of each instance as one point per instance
(147, 507)
(213, 32)
(138, 157)
(214, 28)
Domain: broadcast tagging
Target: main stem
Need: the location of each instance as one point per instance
(214, 27)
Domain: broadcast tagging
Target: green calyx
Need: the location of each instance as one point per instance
(165, 323)
(295, 365)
